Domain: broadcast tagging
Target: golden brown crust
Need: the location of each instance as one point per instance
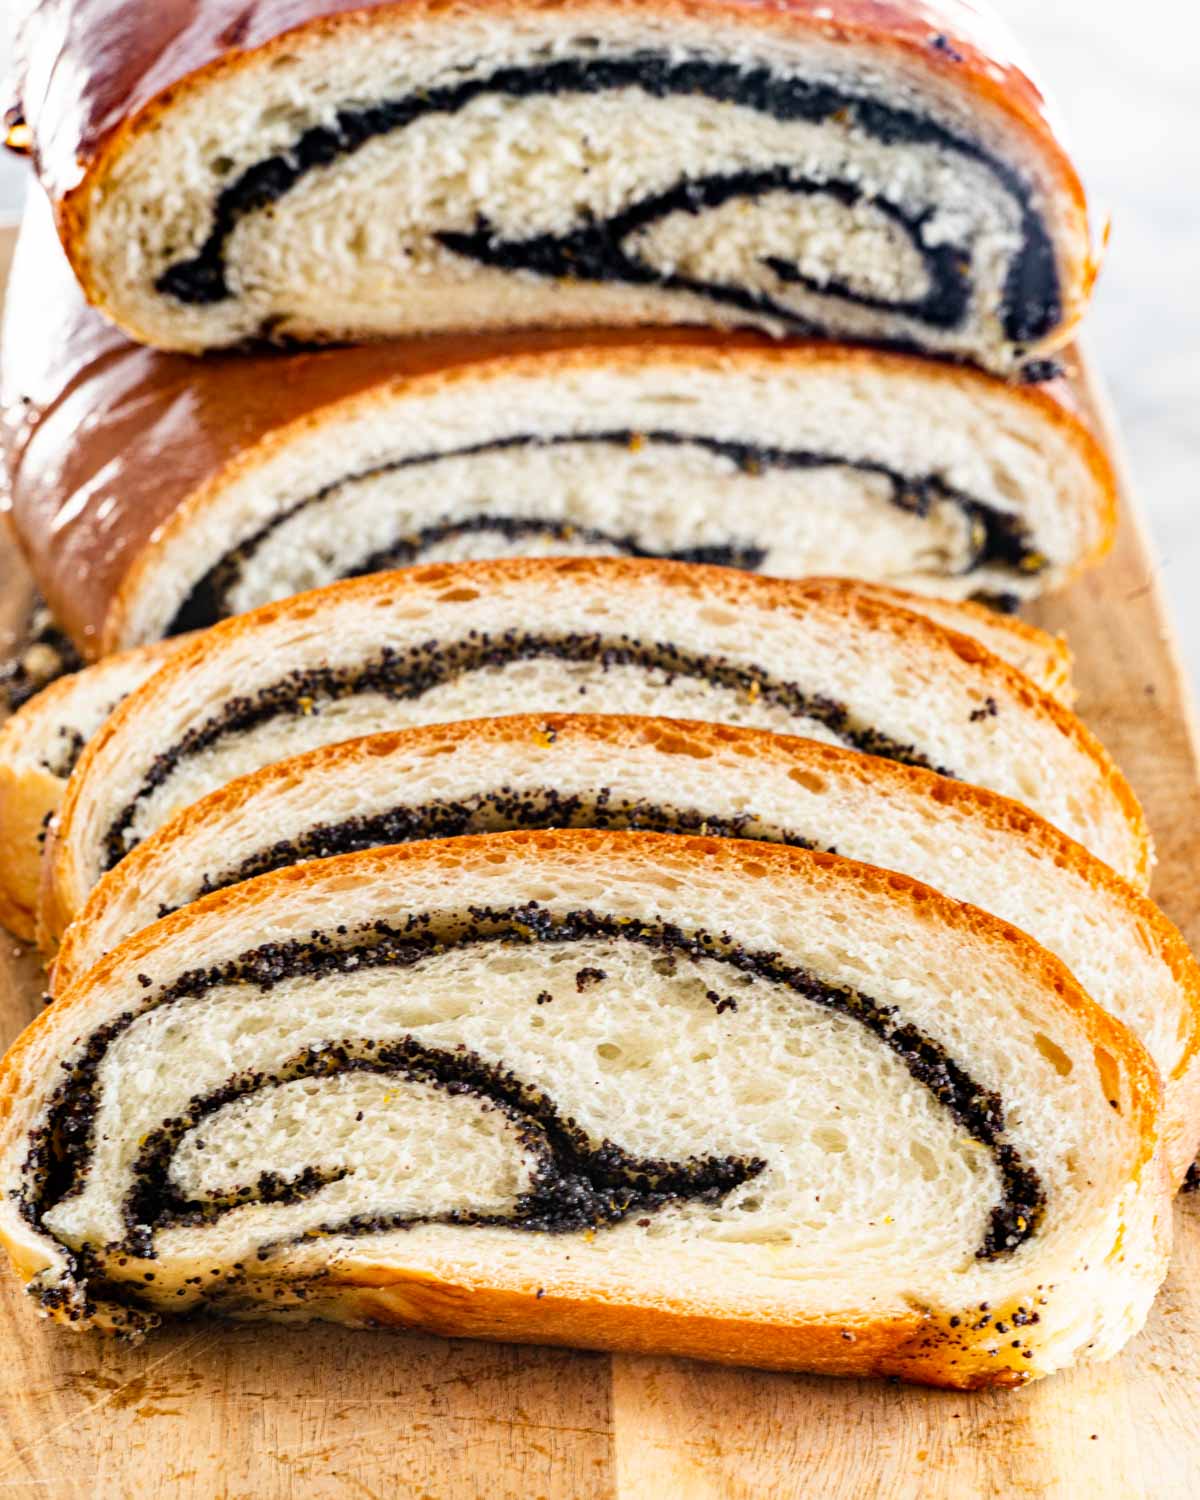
(29, 793)
(27, 799)
(119, 448)
(61, 883)
(915, 1349)
(123, 56)
(386, 1297)
(113, 67)
(54, 909)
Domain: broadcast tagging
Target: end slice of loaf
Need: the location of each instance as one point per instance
(39, 747)
(616, 1089)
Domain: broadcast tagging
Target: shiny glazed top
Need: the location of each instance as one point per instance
(87, 68)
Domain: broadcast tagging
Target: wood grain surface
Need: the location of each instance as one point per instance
(203, 1411)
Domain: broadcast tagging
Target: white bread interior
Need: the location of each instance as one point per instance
(865, 1221)
(608, 772)
(1044, 658)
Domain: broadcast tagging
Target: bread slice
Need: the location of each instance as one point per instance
(680, 1095)
(144, 511)
(673, 776)
(39, 746)
(434, 644)
(330, 171)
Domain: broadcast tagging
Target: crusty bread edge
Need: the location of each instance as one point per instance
(26, 794)
(27, 799)
(29, 792)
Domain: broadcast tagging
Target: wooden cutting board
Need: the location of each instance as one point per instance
(205, 1412)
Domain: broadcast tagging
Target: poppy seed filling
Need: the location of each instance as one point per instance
(579, 1184)
(408, 675)
(996, 537)
(491, 812)
(604, 249)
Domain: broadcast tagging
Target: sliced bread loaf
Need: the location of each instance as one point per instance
(154, 493)
(40, 744)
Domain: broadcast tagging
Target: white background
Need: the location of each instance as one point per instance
(1126, 75)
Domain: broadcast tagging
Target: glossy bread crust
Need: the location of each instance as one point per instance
(88, 68)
